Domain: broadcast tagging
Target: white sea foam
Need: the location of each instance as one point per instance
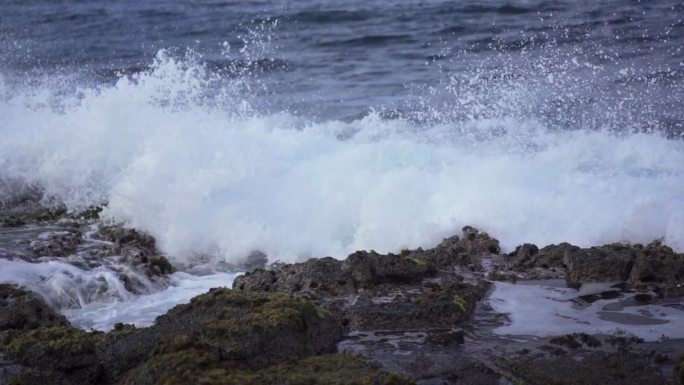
(63, 285)
(143, 310)
(97, 298)
(546, 310)
(208, 177)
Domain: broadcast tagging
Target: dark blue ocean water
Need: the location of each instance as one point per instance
(341, 59)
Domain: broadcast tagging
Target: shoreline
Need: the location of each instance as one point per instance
(447, 308)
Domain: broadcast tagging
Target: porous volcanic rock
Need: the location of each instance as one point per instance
(23, 310)
(219, 337)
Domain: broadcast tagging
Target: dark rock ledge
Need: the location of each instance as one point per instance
(326, 321)
(221, 337)
(654, 267)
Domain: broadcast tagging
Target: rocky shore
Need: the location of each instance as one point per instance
(418, 316)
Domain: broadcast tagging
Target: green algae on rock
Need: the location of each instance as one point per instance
(221, 329)
(59, 348)
(255, 329)
(201, 367)
(22, 310)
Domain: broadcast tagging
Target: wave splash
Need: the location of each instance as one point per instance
(196, 166)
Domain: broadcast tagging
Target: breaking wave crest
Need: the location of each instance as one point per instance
(181, 153)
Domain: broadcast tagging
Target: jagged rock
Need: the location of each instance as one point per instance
(654, 267)
(224, 329)
(436, 305)
(328, 276)
(460, 251)
(524, 256)
(528, 262)
(324, 275)
(21, 213)
(126, 236)
(606, 263)
(256, 329)
(137, 248)
(13, 221)
(58, 348)
(527, 256)
(58, 244)
(590, 368)
(659, 267)
(477, 242)
(370, 268)
(23, 310)
(384, 291)
(364, 269)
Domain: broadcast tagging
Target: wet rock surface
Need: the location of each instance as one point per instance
(35, 234)
(418, 289)
(23, 310)
(418, 316)
(421, 312)
(220, 337)
(655, 267)
(679, 373)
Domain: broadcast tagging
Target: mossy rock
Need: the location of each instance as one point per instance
(370, 269)
(608, 263)
(255, 329)
(23, 310)
(197, 366)
(595, 368)
(222, 328)
(59, 348)
(679, 373)
(319, 275)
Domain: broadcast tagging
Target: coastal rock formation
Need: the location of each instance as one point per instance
(58, 244)
(655, 267)
(137, 248)
(415, 289)
(24, 310)
(679, 373)
(408, 313)
(220, 337)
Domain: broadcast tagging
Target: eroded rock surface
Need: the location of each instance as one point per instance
(416, 289)
(655, 267)
(417, 313)
(221, 337)
(23, 310)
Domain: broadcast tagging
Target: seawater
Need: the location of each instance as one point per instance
(310, 129)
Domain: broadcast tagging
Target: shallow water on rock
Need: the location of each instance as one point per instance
(142, 310)
(549, 308)
(77, 274)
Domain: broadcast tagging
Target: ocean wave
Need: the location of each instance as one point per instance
(221, 179)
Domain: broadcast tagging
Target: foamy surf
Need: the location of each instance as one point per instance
(143, 310)
(208, 178)
(98, 299)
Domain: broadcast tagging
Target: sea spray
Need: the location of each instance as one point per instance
(205, 179)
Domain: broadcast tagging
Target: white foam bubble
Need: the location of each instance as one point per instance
(208, 180)
(143, 310)
(546, 310)
(98, 299)
(63, 285)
